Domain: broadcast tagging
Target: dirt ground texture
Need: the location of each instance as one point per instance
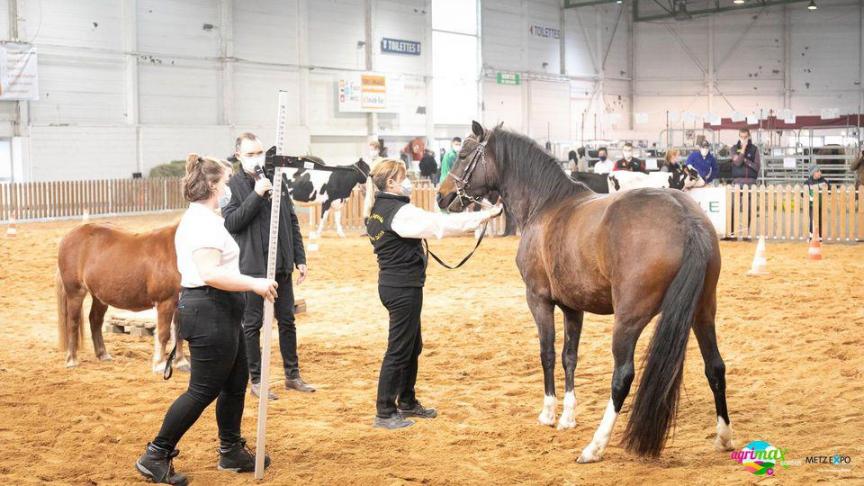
(792, 342)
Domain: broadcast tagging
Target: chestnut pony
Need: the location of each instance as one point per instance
(132, 271)
(635, 254)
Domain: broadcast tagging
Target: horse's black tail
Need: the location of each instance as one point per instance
(656, 402)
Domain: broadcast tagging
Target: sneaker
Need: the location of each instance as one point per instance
(239, 458)
(418, 411)
(394, 421)
(299, 385)
(156, 466)
(255, 389)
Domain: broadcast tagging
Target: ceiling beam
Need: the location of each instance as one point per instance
(708, 11)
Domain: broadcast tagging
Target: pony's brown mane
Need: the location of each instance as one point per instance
(524, 162)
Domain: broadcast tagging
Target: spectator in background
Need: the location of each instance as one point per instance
(815, 181)
(428, 167)
(745, 159)
(704, 162)
(572, 162)
(628, 162)
(414, 154)
(670, 161)
(450, 157)
(603, 164)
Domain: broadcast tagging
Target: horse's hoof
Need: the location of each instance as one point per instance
(721, 445)
(566, 423)
(589, 454)
(159, 367)
(105, 357)
(71, 363)
(546, 419)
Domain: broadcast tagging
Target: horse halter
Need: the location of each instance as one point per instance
(463, 183)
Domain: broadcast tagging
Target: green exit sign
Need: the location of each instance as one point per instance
(508, 78)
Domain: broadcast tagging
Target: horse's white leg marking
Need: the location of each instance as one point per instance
(593, 452)
(723, 442)
(568, 416)
(158, 359)
(547, 415)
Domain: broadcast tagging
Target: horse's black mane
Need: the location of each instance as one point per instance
(524, 160)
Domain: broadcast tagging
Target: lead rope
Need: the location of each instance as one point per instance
(467, 257)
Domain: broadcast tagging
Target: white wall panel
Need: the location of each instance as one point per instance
(266, 30)
(335, 27)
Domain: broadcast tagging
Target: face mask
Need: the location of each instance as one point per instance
(602, 158)
(407, 187)
(373, 154)
(457, 148)
(628, 154)
(225, 198)
(704, 152)
(249, 163)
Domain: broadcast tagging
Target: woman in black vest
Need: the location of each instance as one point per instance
(396, 228)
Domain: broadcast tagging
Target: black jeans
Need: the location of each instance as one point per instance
(404, 344)
(253, 318)
(209, 320)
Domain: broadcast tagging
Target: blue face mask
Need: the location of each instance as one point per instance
(225, 198)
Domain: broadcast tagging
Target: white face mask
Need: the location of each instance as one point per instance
(407, 187)
(457, 148)
(628, 154)
(225, 198)
(249, 163)
(373, 154)
(704, 152)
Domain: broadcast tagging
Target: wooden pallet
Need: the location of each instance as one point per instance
(143, 324)
(132, 325)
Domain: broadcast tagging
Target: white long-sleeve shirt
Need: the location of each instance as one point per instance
(413, 222)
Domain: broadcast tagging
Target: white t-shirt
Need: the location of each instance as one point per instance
(603, 167)
(199, 228)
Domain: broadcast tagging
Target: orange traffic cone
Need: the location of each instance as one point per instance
(814, 252)
(11, 230)
(760, 263)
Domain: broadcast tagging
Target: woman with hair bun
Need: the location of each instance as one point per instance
(209, 314)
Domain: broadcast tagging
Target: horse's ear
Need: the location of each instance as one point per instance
(477, 130)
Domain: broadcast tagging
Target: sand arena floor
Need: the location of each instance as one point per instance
(792, 343)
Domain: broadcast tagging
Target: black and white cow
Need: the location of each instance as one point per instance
(683, 179)
(316, 182)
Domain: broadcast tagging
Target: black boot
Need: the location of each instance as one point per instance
(156, 466)
(238, 458)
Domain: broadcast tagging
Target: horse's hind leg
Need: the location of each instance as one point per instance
(715, 369)
(180, 361)
(569, 355)
(162, 335)
(543, 312)
(97, 317)
(74, 303)
(628, 326)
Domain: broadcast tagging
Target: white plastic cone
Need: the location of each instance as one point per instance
(760, 264)
(11, 230)
(86, 216)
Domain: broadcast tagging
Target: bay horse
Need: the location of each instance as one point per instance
(634, 253)
(132, 271)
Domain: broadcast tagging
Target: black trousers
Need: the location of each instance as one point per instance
(404, 344)
(253, 319)
(209, 320)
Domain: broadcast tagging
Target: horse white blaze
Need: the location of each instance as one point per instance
(568, 416)
(723, 442)
(593, 452)
(547, 415)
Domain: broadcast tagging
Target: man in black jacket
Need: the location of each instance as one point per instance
(247, 218)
